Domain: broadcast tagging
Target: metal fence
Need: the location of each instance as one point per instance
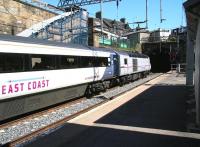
(116, 43)
(179, 67)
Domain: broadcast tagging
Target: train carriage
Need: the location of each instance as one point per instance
(132, 66)
(35, 74)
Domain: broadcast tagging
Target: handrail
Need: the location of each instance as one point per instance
(179, 67)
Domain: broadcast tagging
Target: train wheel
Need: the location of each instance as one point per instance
(88, 93)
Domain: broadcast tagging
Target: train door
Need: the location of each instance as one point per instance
(125, 65)
(116, 64)
(95, 68)
(135, 65)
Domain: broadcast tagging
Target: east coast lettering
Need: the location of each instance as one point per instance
(16, 87)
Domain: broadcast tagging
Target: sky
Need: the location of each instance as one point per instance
(134, 10)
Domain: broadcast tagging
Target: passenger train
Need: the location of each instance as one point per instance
(35, 74)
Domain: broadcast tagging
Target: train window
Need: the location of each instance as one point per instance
(104, 62)
(12, 63)
(125, 61)
(101, 62)
(67, 62)
(36, 61)
(2, 63)
(86, 62)
(43, 62)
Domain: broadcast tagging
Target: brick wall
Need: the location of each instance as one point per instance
(17, 16)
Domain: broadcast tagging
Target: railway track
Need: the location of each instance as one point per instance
(25, 129)
(49, 128)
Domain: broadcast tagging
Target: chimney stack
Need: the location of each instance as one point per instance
(98, 14)
(123, 20)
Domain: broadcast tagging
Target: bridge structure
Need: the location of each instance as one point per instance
(69, 27)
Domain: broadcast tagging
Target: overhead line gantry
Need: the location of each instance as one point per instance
(66, 4)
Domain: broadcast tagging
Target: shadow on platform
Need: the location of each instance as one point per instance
(162, 106)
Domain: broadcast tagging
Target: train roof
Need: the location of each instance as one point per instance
(136, 54)
(132, 54)
(110, 50)
(28, 40)
(20, 39)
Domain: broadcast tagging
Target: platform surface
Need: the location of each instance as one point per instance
(151, 115)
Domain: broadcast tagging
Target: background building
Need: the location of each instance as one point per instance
(33, 18)
(165, 48)
(18, 15)
(137, 38)
(159, 35)
(112, 34)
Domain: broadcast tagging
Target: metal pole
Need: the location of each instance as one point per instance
(101, 20)
(146, 14)
(179, 68)
(71, 24)
(160, 46)
(178, 45)
(161, 11)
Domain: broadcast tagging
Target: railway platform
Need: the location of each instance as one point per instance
(153, 114)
